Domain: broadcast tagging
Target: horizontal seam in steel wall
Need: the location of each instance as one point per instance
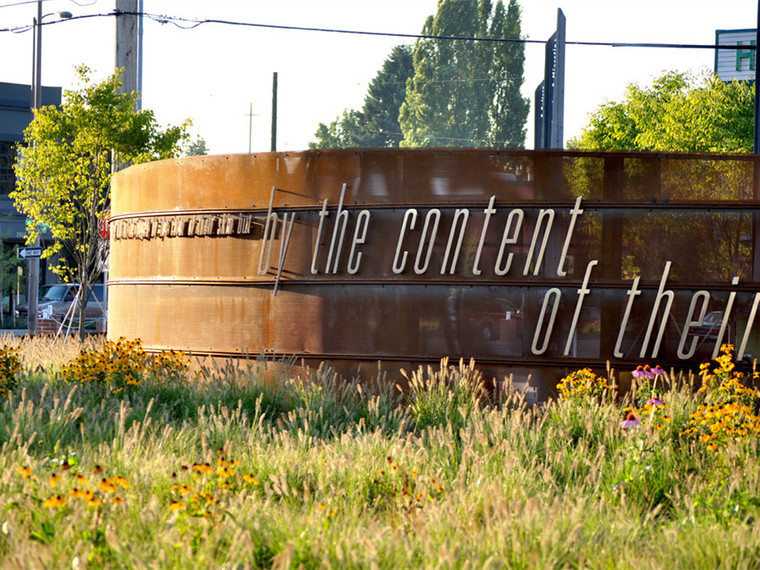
(523, 205)
(465, 282)
(387, 359)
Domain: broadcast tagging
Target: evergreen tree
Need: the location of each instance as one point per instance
(464, 92)
(510, 109)
(376, 125)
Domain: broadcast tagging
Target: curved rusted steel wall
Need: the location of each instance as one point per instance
(407, 256)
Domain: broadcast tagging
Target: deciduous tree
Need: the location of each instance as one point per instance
(680, 112)
(63, 173)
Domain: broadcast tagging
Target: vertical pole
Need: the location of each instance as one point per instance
(250, 127)
(140, 9)
(756, 164)
(756, 146)
(126, 43)
(274, 112)
(33, 265)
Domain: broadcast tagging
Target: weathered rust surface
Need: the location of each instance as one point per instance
(187, 238)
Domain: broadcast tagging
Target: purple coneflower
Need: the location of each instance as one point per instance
(630, 421)
(658, 371)
(643, 372)
(655, 401)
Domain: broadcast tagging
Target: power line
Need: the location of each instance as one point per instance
(189, 23)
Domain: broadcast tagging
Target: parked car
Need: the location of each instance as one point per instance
(710, 326)
(23, 308)
(57, 300)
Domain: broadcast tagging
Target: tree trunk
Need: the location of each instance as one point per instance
(84, 295)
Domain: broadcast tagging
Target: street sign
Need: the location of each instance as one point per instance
(32, 252)
(103, 227)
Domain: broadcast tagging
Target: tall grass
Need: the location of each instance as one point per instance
(243, 469)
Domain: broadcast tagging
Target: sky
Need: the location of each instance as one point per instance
(214, 74)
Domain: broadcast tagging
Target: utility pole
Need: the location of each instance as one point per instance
(127, 51)
(33, 265)
(274, 111)
(251, 115)
(756, 147)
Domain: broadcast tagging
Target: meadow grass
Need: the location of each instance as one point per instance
(161, 466)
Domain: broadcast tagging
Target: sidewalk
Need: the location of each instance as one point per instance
(14, 332)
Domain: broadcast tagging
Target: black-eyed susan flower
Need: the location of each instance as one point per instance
(56, 502)
(120, 481)
(25, 472)
(94, 501)
(177, 506)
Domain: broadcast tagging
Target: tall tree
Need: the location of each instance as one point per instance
(467, 92)
(510, 109)
(376, 125)
(63, 174)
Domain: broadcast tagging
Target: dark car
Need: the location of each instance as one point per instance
(710, 326)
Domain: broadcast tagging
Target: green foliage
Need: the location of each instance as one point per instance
(680, 112)
(9, 277)
(467, 93)
(88, 478)
(10, 366)
(448, 395)
(376, 125)
(63, 173)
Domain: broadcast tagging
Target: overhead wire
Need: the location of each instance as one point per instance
(191, 23)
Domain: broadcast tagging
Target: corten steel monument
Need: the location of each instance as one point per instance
(532, 262)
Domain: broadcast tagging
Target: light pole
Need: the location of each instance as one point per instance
(33, 265)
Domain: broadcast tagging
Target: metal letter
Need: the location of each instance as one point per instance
(705, 296)
(322, 215)
(724, 322)
(582, 292)
(489, 211)
(460, 212)
(540, 256)
(556, 294)
(573, 215)
(341, 221)
(411, 213)
(634, 291)
(436, 213)
(653, 317)
(360, 236)
(506, 240)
